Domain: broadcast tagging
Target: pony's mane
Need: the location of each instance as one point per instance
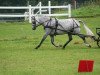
(44, 18)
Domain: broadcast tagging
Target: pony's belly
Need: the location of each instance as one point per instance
(75, 31)
(59, 32)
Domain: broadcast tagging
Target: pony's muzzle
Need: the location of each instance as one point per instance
(33, 28)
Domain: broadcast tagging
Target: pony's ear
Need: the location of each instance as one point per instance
(32, 17)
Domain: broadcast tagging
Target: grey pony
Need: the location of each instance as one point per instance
(54, 26)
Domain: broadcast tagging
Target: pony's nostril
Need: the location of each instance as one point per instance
(33, 28)
(33, 22)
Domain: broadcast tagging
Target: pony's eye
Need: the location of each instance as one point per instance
(33, 22)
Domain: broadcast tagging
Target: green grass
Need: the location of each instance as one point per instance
(91, 10)
(18, 56)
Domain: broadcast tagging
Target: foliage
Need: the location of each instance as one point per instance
(34, 2)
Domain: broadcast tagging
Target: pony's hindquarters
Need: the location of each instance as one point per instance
(76, 26)
(68, 26)
(76, 30)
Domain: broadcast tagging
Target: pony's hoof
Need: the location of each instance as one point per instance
(89, 46)
(36, 47)
(60, 45)
(56, 46)
(63, 48)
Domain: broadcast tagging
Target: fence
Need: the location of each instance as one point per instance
(31, 10)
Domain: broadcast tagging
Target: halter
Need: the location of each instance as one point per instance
(35, 21)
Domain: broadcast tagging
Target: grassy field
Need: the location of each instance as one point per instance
(18, 56)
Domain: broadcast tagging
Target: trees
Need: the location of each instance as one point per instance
(13, 2)
(34, 2)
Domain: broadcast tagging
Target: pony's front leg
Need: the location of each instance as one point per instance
(44, 37)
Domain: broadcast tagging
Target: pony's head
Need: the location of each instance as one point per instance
(35, 22)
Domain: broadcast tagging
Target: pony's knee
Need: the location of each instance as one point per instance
(70, 38)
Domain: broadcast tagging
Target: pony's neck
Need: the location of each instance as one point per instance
(44, 19)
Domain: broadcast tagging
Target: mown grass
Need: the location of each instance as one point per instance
(18, 56)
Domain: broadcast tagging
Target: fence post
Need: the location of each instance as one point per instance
(69, 10)
(30, 14)
(40, 8)
(49, 4)
(75, 4)
(32, 11)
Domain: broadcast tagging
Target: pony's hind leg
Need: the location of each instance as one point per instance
(83, 38)
(70, 38)
(52, 40)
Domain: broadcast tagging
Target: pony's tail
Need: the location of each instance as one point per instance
(88, 31)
